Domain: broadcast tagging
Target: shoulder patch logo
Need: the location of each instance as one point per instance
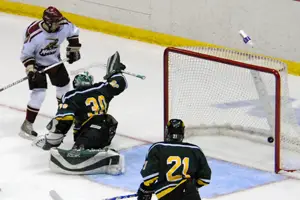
(114, 84)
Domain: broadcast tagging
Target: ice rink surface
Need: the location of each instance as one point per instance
(24, 172)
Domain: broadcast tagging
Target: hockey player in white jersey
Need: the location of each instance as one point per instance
(41, 48)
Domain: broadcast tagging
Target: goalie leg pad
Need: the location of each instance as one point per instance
(83, 162)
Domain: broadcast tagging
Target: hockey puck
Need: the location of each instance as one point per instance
(270, 139)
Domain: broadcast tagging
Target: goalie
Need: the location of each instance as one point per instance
(93, 130)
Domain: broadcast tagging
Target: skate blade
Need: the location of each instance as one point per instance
(26, 136)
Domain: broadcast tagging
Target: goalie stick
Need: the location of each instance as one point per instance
(25, 78)
(103, 66)
(128, 73)
(134, 75)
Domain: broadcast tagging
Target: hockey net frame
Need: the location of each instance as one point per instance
(274, 72)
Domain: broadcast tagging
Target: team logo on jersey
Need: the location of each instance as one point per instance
(114, 84)
(51, 48)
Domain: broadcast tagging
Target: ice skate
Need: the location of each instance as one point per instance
(27, 131)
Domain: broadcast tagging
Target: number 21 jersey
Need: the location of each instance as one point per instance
(168, 165)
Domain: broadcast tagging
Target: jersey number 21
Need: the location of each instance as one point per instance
(177, 162)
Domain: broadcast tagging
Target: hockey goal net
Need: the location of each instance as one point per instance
(221, 92)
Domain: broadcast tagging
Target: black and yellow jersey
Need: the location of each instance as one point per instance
(80, 105)
(168, 165)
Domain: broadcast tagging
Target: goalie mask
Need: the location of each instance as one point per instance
(174, 131)
(83, 80)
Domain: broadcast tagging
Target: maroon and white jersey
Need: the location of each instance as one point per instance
(43, 48)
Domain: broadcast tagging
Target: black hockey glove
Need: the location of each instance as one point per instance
(114, 66)
(31, 73)
(144, 192)
(73, 53)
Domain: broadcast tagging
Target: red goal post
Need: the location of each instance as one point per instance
(194, 92)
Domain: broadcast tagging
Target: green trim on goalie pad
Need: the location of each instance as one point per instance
(73, 158)
(104, 162)
(226, 177)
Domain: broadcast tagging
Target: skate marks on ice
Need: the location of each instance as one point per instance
(226, 177)
(54, 195)
(26, 168)
(46, 119)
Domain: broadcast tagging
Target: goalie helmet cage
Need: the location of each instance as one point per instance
(210, 89)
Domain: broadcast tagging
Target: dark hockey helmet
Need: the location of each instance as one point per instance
(83, 80)
(174, 130)
(52, 19)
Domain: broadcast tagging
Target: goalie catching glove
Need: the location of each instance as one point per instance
(114, 66)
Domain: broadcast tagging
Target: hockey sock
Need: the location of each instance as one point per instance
(31, 114)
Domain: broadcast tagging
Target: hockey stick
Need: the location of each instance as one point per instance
(135, 75)
(260, 87)
(122, 197)
(103, 66)
(25, 78)
(128, 73)
(55, 196)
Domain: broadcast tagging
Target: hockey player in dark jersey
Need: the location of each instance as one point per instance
(174, 170)
(86, 106)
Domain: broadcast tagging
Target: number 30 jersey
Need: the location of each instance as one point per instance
(168, 165)
(80, 105)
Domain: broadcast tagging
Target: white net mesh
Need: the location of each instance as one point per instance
(220, 99)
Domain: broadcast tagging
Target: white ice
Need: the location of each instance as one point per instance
(24, 172)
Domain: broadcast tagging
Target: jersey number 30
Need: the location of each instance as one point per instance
(177, 163)
(98, 106)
